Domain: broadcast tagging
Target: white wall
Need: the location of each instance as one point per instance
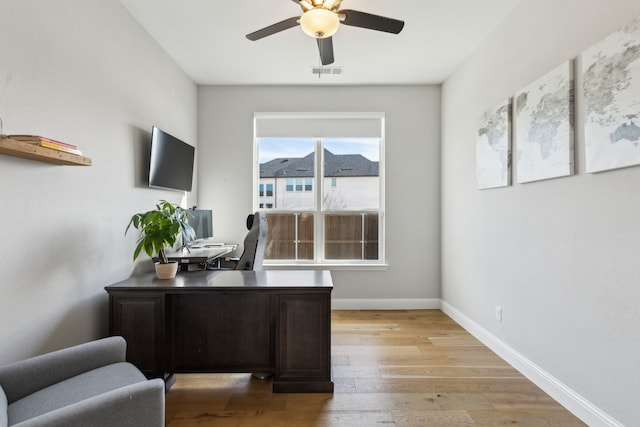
(412, 174)
(561, 257)
(85, 73)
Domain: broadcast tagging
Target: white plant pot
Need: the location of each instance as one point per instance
(166, 271)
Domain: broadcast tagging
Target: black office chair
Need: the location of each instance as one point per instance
(254, 243)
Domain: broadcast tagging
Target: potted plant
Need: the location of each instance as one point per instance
(160, 228)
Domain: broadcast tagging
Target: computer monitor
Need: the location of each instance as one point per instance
(201, 220)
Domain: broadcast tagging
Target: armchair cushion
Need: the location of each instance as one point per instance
(75, 389)
(135, 405)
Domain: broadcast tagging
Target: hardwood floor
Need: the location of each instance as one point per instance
(391, 368)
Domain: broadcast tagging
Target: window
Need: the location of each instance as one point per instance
(326, 200)
(301, 184)
(265, 194)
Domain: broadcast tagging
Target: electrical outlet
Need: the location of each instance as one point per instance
(498, 313)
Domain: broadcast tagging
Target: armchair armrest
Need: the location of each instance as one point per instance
(24, 377)
(136, 405)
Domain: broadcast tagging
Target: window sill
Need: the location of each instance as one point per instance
(326, 266)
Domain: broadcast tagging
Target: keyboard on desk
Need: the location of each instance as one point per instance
(211, 245)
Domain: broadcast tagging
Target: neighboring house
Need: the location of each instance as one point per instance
(351, 181)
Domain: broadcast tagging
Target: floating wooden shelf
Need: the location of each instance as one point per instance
(25, 150)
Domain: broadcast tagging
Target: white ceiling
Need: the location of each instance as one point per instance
(207, 39)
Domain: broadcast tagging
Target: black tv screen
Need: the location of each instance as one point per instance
(171, 164)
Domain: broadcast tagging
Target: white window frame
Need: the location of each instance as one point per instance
(319, 261)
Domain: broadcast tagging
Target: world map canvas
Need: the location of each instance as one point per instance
(611, 85)
(544, 126)
(493, 147)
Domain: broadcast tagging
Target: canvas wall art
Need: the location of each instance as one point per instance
(493, 147)
(611, 88)
(544, 126)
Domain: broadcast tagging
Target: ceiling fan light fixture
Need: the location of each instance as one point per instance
(329, 4)
(319, 23)
(306, 5)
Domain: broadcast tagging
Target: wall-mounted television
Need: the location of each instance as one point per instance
(171, 163)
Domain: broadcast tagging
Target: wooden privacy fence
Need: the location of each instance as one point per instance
(347, 236)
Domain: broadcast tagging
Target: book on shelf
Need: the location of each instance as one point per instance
(59, 147)
(37, 138)
(47, 143)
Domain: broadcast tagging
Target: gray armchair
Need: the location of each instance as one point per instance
(86, 385)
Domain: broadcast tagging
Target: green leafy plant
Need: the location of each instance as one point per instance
(160, 228)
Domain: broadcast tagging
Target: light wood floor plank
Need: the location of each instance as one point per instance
(400, 368)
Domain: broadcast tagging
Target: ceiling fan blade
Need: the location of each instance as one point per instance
(325, 47)
(275, 28)
(371, 22)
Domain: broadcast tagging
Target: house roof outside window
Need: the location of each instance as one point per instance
(336, 165)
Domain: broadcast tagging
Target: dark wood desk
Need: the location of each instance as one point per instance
(275, 322)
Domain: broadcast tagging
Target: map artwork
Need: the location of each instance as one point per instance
(611, 76)
(493, 147)
(544, 126)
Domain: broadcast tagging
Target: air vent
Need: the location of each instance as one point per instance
(325, 71)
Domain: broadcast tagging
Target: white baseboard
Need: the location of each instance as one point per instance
(574, 402)
(385, 304)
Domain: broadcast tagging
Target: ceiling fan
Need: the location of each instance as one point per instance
(321, 18)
